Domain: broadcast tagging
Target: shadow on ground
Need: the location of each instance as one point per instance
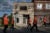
(23, 30)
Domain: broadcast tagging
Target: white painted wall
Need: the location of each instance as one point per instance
(20, 13)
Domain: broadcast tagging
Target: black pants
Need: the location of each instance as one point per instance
(44, 23)
(34, 25)
(29, 25)
(12, 26)
(5, 28)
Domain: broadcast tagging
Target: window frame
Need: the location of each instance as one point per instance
(23, 9)
(39, 7)
(47, 5)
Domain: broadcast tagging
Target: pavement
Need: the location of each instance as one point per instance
(25, 30)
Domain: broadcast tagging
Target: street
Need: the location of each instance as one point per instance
(25, 30)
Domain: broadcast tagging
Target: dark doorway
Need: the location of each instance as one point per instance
(17, 19)
(25, 17)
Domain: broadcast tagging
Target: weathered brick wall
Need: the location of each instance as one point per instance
(43, 11)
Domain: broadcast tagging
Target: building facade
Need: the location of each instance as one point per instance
(41, 9)
(21, 12)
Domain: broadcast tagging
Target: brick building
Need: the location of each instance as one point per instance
(22, 11)
(41, 9)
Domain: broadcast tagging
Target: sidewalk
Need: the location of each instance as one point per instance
(3, 27)
(42, 28)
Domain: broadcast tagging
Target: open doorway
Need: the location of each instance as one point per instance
(25, 18)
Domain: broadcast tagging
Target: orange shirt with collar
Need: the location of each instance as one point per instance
(35, 20)
(44, 19)
(12, 21)
(5, 21)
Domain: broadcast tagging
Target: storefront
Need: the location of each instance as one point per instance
(40, 16)
(41, 9)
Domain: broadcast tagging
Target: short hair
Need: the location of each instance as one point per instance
(4, 15)
(35, 15)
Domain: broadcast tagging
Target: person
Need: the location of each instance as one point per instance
(29, 22)
(12, 23)
(45, 20)
(34, 24)
(5, 19)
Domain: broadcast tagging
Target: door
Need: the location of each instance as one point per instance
(25, 18)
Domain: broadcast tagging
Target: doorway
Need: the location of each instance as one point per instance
(25, 18)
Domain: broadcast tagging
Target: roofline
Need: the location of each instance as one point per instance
(41, 1)
(24, 2)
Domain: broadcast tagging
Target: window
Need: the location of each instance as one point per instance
(32, 0)
(23, 8)
(39, 6)
(47, 6)
(17, 20)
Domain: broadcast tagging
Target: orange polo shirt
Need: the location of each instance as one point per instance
(12, 21)
(5, 21)
(30, 21)
(35, 20)
(44, 19)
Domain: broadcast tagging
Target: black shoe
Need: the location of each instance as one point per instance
(4, 32)
(31, 30)
(37, 30)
